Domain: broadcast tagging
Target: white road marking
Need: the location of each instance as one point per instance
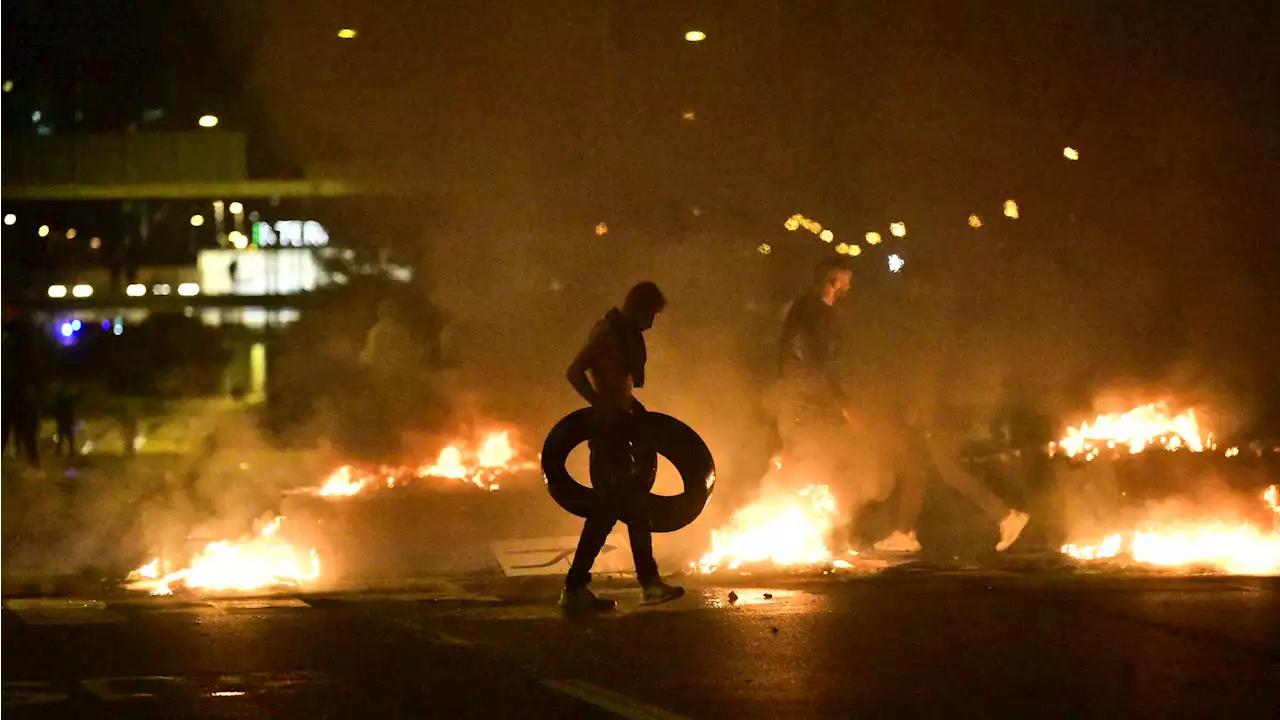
(437, 636)
(257, 603)
(615, 703)
(63, 611)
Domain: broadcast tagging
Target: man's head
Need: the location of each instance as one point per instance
(831, 279)
(643, 303)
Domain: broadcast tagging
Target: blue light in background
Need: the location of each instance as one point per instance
(119, 330)
(75, 326)
(106, 324)
(67, 330)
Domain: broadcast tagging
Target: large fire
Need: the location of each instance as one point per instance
(1235, 548)
(262, 561)
(781, 528)
(483, 466)
(1143, 427)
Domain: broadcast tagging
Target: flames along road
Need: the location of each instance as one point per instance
(266, 559)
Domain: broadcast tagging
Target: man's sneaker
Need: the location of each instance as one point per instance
(899, 542)
(583, 602)
(1011, 527)
(658, 592)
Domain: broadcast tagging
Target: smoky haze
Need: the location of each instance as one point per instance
(1146, 268)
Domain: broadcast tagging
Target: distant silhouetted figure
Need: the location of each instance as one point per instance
(65, 403)
(21, 392)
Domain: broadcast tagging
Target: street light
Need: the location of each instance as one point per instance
(238, 239)
(188, 289)
(82, 291)
(197, 220)
(347, 34)
(208, 121)
(236, 208)
(10, 219)
(43, 231)
(136, 290)
(695, 36)
(57, 291)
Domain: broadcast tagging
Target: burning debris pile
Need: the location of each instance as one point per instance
(267, 560)
(1143, 427)
(784, 529)
(493, 457)
(1239, 548)
(263, 561)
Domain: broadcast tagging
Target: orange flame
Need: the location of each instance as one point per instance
(1141, 428)
(493, 457)
(1238, 549)
(251, 564)
(785, 529)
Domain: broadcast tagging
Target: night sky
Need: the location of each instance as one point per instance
(537, 120)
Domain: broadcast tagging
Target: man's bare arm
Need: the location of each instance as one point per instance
(577, 372)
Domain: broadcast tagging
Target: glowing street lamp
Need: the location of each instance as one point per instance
(10, 219)
(347, 34)
(43, 231)
(208, 121)
(873, 238)
(188, 289)
(695, 36)
(1011, 209)
(1070, 153)
(236, 208)
(57, 291)
(82, 291)
(898, 229)
(238, 239)
(197, 220)
(136, 290)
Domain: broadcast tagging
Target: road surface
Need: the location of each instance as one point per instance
(899, 645)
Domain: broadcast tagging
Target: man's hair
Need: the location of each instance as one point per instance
(645, 296)
(827, 266)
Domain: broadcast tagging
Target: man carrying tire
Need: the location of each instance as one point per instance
(604, 373)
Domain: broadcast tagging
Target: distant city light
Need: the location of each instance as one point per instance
(236, 208)
(8, 86)
(695, 36)
(197, 220)
(827, 236)
(188, 289)
(162, 289)
(842, 248)
(764, 249)
(36, 116)
(95, 243)
(10, 218)
(896, 263)
(1011, 209)
(975, 221)
(602, 229)
(82, 291)
(57, 291)
(136, 290)
(689, 115)
(1070, 153)
(208, 121)
(347, 34)
(855, 250)
(873, 238)
(43, 231)
(71, 233)
(898, 229)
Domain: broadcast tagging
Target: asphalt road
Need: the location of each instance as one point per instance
(899, 645)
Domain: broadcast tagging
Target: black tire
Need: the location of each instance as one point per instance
(665, 436)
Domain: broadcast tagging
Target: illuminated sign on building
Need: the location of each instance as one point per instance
(290, 233)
